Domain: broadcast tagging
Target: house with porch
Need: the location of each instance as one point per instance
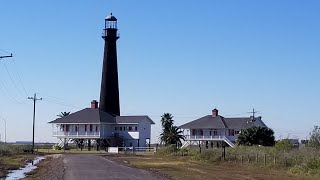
(216, 128)
(94, 125)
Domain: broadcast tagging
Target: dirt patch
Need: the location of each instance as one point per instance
(52, 168)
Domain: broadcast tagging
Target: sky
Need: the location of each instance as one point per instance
(181, 57)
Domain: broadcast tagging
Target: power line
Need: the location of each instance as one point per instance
(23, 87)
(11, 79)
(6, 91)
(4, 51)
(61, 104)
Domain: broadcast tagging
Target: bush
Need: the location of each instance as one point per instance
(283, 145)
(167, 150)
(9, 149)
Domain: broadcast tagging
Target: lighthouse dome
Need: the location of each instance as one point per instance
(111, 18)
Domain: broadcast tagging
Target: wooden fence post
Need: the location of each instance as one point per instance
(285, 161)
(248, 158)
(241, 159)
(274, 161)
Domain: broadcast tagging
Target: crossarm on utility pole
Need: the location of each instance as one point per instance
(5, 56)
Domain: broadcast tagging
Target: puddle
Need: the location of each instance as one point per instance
(21, 173)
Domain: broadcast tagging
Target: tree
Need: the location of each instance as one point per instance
(170, 134)
(166, 121)
(315, 137)
(63, 114)
(256, 135)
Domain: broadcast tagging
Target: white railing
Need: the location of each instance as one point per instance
(208, 138)
(198, 137)
(77, 134)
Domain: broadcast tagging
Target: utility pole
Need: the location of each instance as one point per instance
(254, 112)
(5, 131)
(35, 99)
(5, 56)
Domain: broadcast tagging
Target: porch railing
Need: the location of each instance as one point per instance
(77, 134)
(198, 137)
(208, 138)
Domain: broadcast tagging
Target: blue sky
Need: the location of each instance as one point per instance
(182, 57)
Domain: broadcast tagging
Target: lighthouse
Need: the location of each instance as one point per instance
(109, 92)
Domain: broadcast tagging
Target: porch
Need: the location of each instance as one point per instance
(61, 134)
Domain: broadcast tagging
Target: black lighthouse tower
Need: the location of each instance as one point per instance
(109, 93)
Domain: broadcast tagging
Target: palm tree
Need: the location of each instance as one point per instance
(173, 135)
(166, 121)
(63, 114)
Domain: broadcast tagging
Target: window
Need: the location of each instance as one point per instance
(90, 127)
(67, 127)
(215, 132)
(85, 128)
(120, 128)
(130, 128)
(96, 128)
(193, 132)
(231, 132)
(115, 128)
(136, 128)
(76, 128)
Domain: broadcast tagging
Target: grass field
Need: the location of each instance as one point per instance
(184, 168)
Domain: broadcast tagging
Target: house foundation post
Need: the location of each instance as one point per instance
(89, 144)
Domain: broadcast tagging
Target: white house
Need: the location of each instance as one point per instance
(216, 128)
(95, 125)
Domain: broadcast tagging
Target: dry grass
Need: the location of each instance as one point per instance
(13, 162)
(183, 168)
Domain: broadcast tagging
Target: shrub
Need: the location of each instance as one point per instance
(167, 150)
(284, 145)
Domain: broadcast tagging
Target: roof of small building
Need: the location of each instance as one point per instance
(220, 122)
(91, 115)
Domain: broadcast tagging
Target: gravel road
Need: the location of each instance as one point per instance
(86, 166)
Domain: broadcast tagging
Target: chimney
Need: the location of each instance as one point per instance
(215, 112)
(94, 104)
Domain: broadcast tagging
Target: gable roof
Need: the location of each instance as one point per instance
(220, 122)
(87, 115)
(132, 119)
(206, 122)
(90, 115)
